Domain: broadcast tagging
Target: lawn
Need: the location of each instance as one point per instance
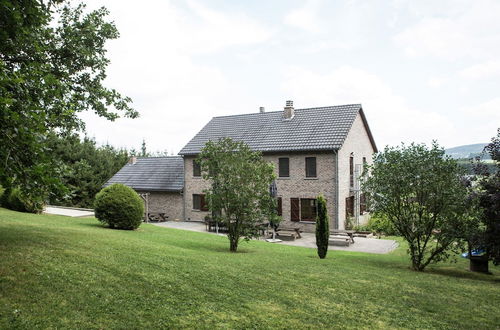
(60, 272)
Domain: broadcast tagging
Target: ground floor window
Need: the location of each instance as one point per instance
(308, 209)
(303, 209)
(199, 202)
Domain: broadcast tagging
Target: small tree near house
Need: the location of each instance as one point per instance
(239, 187)
(422, 194)
(322, 231)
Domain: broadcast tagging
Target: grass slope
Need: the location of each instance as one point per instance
(61, 272)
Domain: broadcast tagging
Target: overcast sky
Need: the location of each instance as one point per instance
(422, 70)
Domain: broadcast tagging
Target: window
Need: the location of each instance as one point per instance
(351, 171)
(294, 209)
(362, 204)
(349, 207)
(307, 209)
(284, 167)
(196, 168)
(303, 209)
(310, 167)
(279, 205)
(199, 202)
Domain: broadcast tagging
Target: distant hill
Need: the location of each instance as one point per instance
(467, 151)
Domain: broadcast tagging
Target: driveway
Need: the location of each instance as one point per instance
(68, 211)
(368, 245)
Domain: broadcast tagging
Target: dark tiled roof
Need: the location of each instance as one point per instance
(310, 129)
(152, 174)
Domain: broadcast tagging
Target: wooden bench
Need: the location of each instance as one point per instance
(339, 240)
(290, 229)
(292, 234)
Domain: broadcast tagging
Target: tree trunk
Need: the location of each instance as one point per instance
(479, 264)
(233, 245)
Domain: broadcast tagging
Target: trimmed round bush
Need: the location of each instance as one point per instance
(119, 206)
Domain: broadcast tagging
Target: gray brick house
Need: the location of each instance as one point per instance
(315, 150)
(159, 180)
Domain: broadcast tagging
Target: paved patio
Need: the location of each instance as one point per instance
(368, 245)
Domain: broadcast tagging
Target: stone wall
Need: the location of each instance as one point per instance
(169, 203)
(358, 143)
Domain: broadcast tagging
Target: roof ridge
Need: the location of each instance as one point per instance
(353, 105)
(156, 157)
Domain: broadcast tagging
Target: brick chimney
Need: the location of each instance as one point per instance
(288, 112)
(132, 160)
(262, 109)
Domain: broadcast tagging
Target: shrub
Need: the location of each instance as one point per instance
(322, 231)
(119, 206)
(15, 199)
(2, 190)
(380, 223)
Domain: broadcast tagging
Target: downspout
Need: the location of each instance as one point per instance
(336, 190)
(183, 191)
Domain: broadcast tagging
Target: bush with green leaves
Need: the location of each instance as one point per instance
(119, 207)
(2, 190)
(15, 199)
(380, 223)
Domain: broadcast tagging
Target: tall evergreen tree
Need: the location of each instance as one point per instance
(322, 228)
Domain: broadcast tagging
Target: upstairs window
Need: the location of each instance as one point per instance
(196, 168)
(351, 171)
(284, 167)
(310, 167)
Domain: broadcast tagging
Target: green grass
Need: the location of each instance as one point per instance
(60, 272)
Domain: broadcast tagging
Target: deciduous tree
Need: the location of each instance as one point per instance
(422, 193)
(483, 233)
(239, 187)
(51, 69)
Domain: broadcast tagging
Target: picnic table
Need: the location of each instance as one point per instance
(293, 232)
(349, 233)
(157, 217)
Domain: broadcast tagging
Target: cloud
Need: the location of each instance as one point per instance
(483, 120)
(451, 32)
(391, 119)
(483, 70)
(305, 17)
(155, 63)
(437, 82)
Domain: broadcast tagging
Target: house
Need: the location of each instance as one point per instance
(159, 181)
(315, 151)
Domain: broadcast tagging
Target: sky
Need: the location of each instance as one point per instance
(422, 70)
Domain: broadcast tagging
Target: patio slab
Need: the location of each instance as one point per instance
(308, 240)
